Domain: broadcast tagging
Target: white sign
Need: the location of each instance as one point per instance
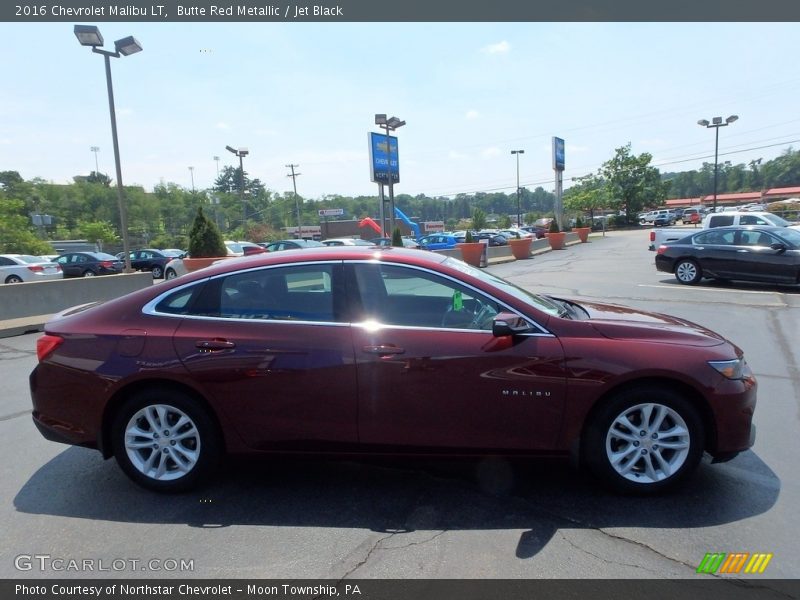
(305, 230)
(331, 212)
(433, 226)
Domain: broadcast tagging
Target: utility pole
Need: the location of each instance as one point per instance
(95, 149)
(294, 175)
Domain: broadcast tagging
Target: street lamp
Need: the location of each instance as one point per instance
(191, 172)
(716, 123)
(294, 175)
(89, 35)
(519, 217)
(95, 149)
(389, 125)
(241, 153)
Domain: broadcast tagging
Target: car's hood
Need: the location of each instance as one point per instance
(620, 322)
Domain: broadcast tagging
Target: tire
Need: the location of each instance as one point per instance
(13, 279)
(688, 272)
(624, 444)
(171, 274)
(154, 457)
(88, 273)
(158, 272)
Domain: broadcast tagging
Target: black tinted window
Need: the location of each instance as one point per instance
(716, 238)
(720, 221)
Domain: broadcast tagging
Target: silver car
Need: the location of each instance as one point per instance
(19, 268)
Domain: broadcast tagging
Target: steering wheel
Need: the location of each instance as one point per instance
(465, 318)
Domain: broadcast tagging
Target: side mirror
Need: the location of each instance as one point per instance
(506, 323)
(779, 247)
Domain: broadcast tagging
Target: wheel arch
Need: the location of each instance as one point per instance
(680, 387)
(123, 394)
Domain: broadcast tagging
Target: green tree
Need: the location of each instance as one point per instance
(204, 238)
(478, 219)
(633, 182)
(588, 195)
(101, 232)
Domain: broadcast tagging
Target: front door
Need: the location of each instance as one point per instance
(431, 374)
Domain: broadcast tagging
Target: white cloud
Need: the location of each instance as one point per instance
(222, 125)
(456, 155)
(491, 152)
(499, 48)
(124, 112)
(5, 141)
(472, 115)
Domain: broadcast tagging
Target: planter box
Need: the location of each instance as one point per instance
(193, 264)
(521, 248)
(556, 240)
(471, 253)
(583, 233)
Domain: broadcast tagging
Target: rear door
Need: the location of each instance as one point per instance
(270, 346)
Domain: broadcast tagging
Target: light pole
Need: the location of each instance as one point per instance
(216, 159)
(518, 152)
(89, 35)
(294, 175)
(191, 172)
(95, 149)
(390, 124)
(716, 123)
(241, 153)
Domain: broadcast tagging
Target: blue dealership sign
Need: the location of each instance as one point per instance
(383, 161)
(558, 154)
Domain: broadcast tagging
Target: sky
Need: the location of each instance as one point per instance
(307, 94)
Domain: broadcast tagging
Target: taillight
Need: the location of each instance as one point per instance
(661, 249)
(652, 236)
(107, 264)
(36, 268)
(46, 344)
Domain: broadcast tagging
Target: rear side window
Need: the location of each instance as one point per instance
(716, 238)
(720, 221)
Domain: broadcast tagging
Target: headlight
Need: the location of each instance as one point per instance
(732, 369)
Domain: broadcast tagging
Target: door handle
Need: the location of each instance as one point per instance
(384, 350)
(214, 345)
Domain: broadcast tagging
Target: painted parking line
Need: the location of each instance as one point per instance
(715, 290)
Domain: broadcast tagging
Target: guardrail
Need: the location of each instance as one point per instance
(20, 300)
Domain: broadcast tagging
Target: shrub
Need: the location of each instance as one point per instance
(397, 238)
(469, 239)
(578, 222)
(205, 239)
(554, 226)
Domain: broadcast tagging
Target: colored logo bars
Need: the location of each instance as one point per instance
(720, 562)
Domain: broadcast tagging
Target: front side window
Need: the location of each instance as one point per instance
(395, 295)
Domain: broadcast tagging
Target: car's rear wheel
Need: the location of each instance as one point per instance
(158, 272)
(644, 440)
(88, 273)
(165, 441)
(688, 271)
(13, 279)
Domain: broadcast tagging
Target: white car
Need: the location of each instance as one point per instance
(19, 268)
(347, 242)
(725, 219)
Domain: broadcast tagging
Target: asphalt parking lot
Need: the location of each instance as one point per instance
(317, 518)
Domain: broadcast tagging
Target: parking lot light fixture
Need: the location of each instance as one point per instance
(716, 123)
(241, 153)
(89, 35)
(519, 216)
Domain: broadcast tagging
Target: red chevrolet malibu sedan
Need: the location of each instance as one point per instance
(348, 349)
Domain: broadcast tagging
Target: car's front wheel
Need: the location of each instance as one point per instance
(644, 440)
(170, 274)
(688, 271)
(165, 440)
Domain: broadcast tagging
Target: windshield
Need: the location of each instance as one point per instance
(776, 220)
(542, 303)
(790, 235)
